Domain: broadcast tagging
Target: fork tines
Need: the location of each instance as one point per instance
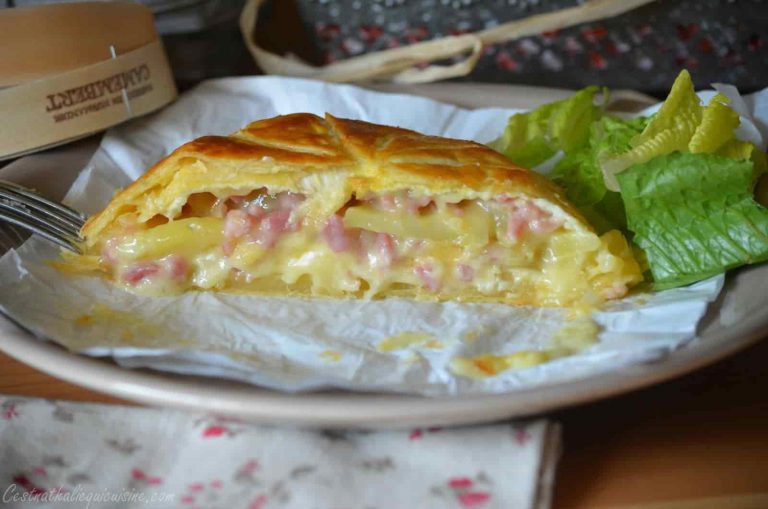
(53, 221)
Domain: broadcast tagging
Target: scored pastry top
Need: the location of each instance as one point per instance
(305, 153)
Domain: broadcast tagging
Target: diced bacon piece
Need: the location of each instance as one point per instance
(236, 224)
(277, 221)
(541, 221)
(425, 273)
(516, 225)
(256, 211)
(465, 272)
(383, 251)
(141, 271)
(177, 267)
(337, 237)
(289, 200)
(271, 227)
(524, 215)
(293, 226)
(386, 245)
(615, 291)
(265, 220)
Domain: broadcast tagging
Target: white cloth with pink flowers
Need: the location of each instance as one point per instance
(57, 454)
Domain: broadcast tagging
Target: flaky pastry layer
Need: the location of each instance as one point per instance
(301, 205)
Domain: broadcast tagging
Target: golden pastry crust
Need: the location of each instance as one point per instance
(486, 230)
(289, 151)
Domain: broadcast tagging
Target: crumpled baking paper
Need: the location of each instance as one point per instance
(306, 344)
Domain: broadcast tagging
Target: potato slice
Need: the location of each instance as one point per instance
(473, 226)
(194, 234)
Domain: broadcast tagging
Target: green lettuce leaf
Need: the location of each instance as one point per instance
(694, 215)
(669, 130)
(683, 124)
(685, 180)
(532, 138)
(579, 173)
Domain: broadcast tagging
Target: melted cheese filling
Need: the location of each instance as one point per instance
(509, 250)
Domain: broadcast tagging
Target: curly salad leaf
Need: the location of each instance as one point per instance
(679, 182)
(682, 124)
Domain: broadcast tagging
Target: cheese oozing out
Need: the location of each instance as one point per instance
(510, 248)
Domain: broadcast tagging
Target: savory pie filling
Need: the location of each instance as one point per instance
(467, 249)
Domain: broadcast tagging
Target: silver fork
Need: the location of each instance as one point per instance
(51, 220)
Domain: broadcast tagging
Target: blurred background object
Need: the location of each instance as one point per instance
(72, 70)
(171, 16)
(201, 37)
(717, 40)
(643, 49)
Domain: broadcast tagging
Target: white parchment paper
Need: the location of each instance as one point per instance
(300, 344)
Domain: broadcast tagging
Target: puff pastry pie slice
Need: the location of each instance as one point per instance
(306, 206)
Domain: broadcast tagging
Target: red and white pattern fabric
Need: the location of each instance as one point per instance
(65, 454)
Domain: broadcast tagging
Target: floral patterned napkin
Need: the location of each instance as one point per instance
(59, 454)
